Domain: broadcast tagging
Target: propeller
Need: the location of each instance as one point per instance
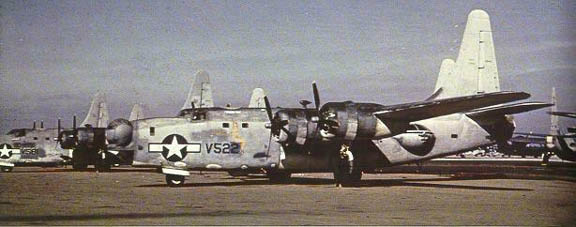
(316, 97)
(276, 124)
(59, 139)
(322, 122)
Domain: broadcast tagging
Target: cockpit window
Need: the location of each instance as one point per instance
(198, 115)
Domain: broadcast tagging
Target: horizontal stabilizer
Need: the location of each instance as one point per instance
(428, 109)
(508, 109)
(563, 114)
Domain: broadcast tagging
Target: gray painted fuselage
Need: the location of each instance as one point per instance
(35, 146)
(247, 127)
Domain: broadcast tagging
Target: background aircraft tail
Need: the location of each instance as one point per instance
(98, 114)
(137, 112)
(554, 129)
(200, 93)
(257, 98)
(475, 70)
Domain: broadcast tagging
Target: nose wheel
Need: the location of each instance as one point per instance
(175, 180)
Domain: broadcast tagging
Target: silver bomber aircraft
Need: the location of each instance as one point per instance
(39, 146)
(463, 113)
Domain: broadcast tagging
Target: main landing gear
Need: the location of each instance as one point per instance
(6, 169)
(175, 177)
(175, 180)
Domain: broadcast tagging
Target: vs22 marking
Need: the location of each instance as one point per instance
(223, 148)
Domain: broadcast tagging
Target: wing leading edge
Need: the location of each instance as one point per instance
(428, 109)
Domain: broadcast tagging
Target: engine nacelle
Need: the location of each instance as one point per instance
(87, 138)
(119, 133)
(565, 147)
(298, 126)
(349, 121)
(418, 141)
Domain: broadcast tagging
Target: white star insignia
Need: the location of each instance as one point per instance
(175, 148)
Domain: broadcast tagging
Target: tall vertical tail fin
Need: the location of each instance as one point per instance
(200, 92)
(443, 82)
(257, 98)
(137, 112)
(98, 113)
(554, 129)
(475, 70)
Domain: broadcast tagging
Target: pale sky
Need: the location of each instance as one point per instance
(55, 55)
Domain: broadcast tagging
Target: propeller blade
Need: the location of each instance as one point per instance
(268, 108)
(74, 122)
(316, 96)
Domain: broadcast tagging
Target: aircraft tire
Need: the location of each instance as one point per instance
(279, 177)
(6, 169)
(174, 180)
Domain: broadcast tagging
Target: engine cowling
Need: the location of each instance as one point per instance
(349, 121)
(298, 126)
(565, 147)
(88, 137)
(418, 141)
(119, 133)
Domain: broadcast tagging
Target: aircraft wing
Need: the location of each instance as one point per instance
(563, 114)
(508, 109)
(523, 139)
(428, 109)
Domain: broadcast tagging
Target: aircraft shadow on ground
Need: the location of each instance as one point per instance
(363, 184)
(61, 170)
(44, 219)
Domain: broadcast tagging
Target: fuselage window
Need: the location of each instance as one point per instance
(35, 138)
(225, 125)
(152, 131)
(47, 138)
(244, 125)
(454, 136)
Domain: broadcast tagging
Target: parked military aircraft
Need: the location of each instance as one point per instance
(85, 141)
(563, 144)
(38, 146)
(459, 116)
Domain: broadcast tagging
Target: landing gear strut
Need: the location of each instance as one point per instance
(545, 158)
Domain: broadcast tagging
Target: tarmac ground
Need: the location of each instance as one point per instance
(437, 193)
